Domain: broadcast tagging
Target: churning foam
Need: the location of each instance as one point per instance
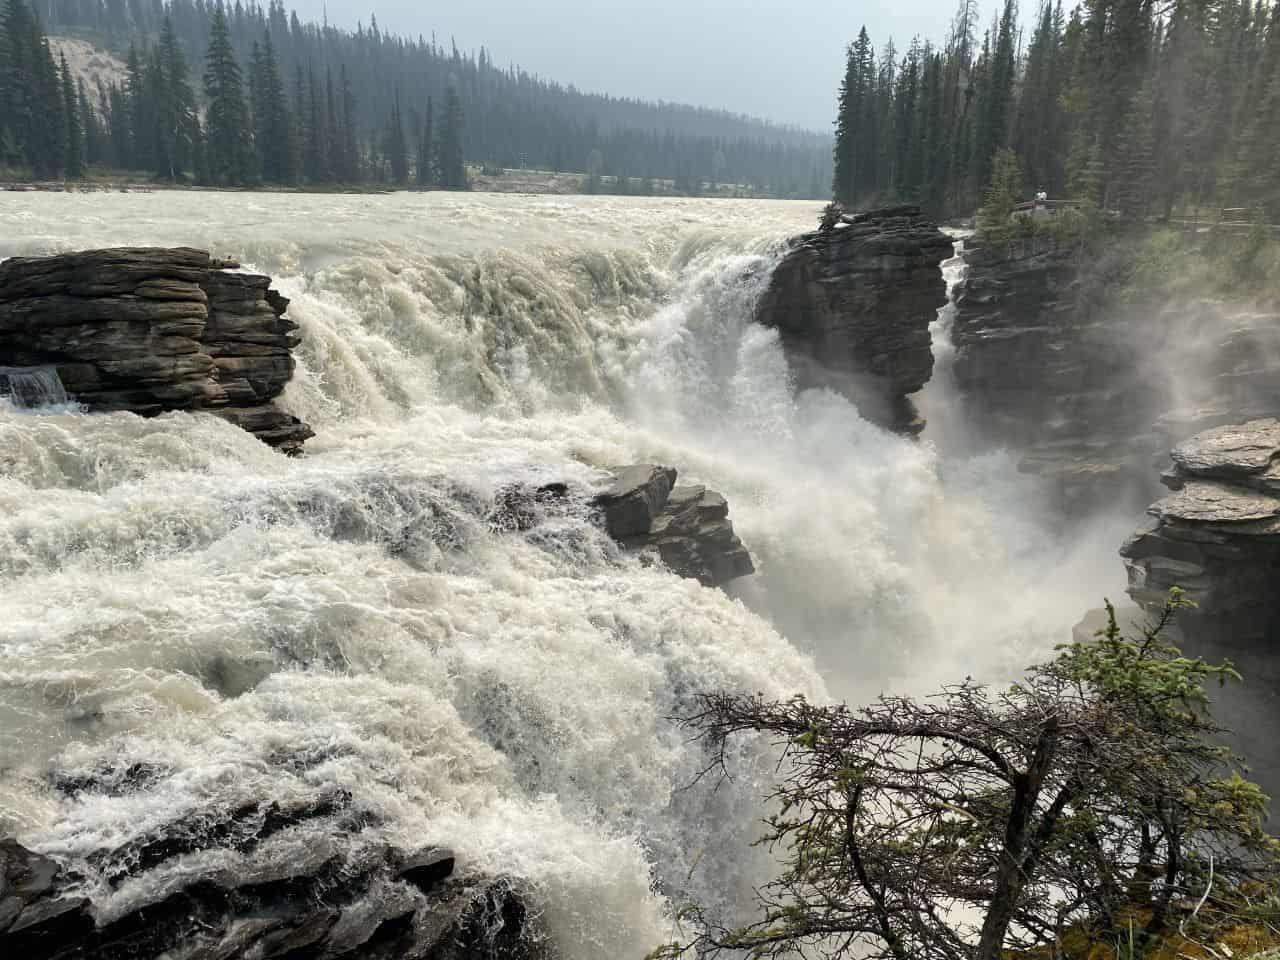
(177, 596)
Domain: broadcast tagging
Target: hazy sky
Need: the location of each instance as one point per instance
(780, 59)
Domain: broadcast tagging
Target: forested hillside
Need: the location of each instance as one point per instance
(324, 105)
(1142, 106)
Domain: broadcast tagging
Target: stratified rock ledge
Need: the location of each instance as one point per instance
(1217, 536)
(688, 526)
(148, 330)
(853, 305)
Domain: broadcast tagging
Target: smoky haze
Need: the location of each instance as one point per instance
(774, 59)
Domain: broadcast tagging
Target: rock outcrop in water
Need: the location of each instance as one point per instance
(1090, 395)
(853, 306)
(687, 526)
(149, 330)
(1217, 535)
(391, 908)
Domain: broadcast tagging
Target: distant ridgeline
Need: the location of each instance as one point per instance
(1143, 108)
(239, 94)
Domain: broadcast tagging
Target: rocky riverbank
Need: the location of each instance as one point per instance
(148, 330)
(853, 306)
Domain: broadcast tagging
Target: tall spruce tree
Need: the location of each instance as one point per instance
(273, 130)
(855, 149)
(49, 153)
(426, 149)
(73, 136)
(18, 86)
(177, 122)
(395, 148)
(453, 170)
(228, 152)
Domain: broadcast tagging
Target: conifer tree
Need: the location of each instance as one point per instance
(49, 153)
(227, 147)
(349, 147)
(272, 124)
(855, 147)
(73, 136)
(453, 171)
(395, 149)
(176, 120)
(140, 121)
(17, 83)
(1135, 158)
(993, 120)
(426, 149)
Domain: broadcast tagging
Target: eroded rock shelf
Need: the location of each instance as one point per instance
(148, 330)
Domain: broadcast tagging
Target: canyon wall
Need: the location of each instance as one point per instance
(1092, 389)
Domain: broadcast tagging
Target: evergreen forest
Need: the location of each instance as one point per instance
(1148, 108)
(229, 94)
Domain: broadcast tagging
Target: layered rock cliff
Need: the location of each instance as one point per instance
(1217, 535)
(1090, 390)
(853, 305)
(149, 330)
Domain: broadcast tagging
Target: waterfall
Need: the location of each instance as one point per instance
(191, 624)
(28, 388)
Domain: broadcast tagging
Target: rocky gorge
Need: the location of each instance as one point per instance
(450, 611)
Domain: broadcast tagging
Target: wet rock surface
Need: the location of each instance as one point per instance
(1092, 396)
(149, 330)
(326, 906)
(1217, 534)
(687, 526)
(853, 306)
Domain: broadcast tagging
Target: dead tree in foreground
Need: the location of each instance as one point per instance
(983, 820)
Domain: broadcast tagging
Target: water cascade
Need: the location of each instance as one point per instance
(191, 623)
(28, 388)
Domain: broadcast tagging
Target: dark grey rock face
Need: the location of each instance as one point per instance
(1217, 535)
(149, 330)
(636, 497)
(1090, 396)
(853, 307)
(688, 526)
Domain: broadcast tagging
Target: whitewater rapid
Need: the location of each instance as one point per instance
(177, 598)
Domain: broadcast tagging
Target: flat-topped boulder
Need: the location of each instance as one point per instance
(687, 526)
(1217, 534)
(852, 304)
(148, 330)
(1248, 454)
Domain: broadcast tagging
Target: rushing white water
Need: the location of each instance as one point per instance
(176, 597)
